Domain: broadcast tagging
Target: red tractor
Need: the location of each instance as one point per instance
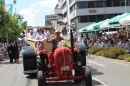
(62, 64)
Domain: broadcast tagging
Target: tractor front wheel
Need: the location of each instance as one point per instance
(40, 78)
(88, 77)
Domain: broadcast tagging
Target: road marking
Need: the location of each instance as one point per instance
(115, 61)
(99, 81)
(96, 63)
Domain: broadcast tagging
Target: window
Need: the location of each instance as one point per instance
(108, 3)
(83, 4)
(72, 8)
(60, 16)
(116, 2)
(100, 17)
(91, 4)
(65, 14)
(128, 2)
(92, 18)
(122, 2)
(70, 1)
(74, 20)
(64, 5)
(99, 3)
(83, 19)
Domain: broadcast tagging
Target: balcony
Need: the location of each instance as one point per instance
(57, 11)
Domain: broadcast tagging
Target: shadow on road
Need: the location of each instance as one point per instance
(94, 71)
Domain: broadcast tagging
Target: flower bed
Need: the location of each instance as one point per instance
(112, 52)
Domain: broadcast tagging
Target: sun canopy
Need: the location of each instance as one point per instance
(125, 21)
(116, 20)
(88, 28)
(97, 25)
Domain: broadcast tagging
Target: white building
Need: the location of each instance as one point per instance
(85, 12)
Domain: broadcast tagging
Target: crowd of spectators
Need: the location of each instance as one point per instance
(5, 51)
(120, 39)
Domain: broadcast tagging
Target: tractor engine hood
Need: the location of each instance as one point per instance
(63, 61)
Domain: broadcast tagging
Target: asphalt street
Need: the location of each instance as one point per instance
(106, 72)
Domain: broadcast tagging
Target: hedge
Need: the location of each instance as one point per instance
(125, 57)
(112, 52)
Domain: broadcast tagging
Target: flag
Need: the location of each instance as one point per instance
(9, 8)
(2, 1)
(20, 21)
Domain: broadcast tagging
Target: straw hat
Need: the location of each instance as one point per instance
(57, 31)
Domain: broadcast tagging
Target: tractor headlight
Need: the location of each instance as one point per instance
(38, 44)
(49, 65)
(79, 63)
(68, 58)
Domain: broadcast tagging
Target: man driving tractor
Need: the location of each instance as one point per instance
(55, 40)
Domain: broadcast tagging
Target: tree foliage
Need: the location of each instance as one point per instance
(9, 25)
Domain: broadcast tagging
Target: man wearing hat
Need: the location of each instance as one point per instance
(55, 40)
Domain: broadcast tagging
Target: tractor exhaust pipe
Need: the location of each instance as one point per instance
(72, 41)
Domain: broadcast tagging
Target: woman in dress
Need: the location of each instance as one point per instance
(64, 34)
(40, 35)
(16, 52)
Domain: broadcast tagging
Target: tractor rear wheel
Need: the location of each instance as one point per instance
(88, 77)
(77, 58)
(40, 78)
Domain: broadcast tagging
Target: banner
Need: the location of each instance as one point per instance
(2, 1)
(20, 21)
(9, 8)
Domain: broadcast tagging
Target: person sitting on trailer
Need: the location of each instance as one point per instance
(64, 34)
(55, 40)
(40, 35)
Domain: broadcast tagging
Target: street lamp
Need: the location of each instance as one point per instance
(14, 1)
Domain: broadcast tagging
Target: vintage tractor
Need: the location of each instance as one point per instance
(63, 64)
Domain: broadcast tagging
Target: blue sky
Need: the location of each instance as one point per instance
(34, 11)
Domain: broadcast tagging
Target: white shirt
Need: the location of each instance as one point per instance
(101, 44)
(46, 33)
(39, 36)
(65, 36)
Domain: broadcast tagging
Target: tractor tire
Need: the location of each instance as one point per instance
(40, 78)
(77, 57)
(83, 55)
(88, 77)
(41, 63)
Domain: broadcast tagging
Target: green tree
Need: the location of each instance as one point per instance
(9, 24)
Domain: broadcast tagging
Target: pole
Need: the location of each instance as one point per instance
(68, 12)
(15, 9)
(125, 6)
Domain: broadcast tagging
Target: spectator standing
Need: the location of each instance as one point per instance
(16, 52)
(10, 52)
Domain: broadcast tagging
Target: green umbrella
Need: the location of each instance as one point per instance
(89, 27)
(116, 20)
(97, 25)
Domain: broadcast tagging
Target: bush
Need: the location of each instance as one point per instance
(125, 57)
(112, 52)
(94, 49)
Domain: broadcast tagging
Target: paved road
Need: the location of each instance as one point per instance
(105, 73)
(109, 71)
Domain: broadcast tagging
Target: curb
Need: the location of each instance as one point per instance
(109, 58)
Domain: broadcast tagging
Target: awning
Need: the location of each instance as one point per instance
(116, 20)
(125, 21)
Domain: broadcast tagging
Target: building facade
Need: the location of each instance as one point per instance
(86, 12)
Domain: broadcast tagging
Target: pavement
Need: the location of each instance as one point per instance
(105, 72)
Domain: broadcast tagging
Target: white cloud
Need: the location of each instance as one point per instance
(35, 14)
